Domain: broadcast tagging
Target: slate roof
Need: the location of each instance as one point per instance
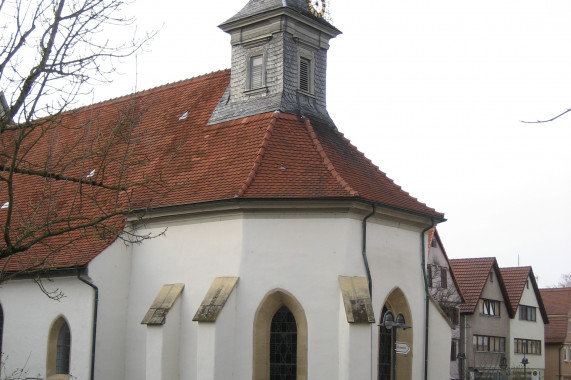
(557, 303)
(265, 156)
(256, 7)
(515, 279)
(472, 275)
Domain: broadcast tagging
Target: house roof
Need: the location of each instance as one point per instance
(266, 156)
(515, 279)
(472, 275)
(557, 303)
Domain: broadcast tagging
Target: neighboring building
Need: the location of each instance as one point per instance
(527, 327)
(444, 289)
(557, 333)
(281, 248)
(484, 316)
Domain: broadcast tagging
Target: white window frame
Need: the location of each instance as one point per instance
(490, 308)
(255, 53)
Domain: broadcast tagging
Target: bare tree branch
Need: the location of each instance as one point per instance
(65, 176)
(546, 121)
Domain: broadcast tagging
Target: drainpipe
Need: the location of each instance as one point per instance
(94, 327)
(364, 251)
(427, 293)
(370, 282)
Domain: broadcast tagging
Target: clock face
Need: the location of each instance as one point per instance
(317, 7)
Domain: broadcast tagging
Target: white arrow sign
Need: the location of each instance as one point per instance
(402, 348)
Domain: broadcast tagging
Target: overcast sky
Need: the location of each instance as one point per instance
(432, 91)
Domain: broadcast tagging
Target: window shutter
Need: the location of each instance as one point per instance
(304, 74)
(443, 278)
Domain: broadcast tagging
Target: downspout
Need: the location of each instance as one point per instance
(94, 327)
(427, 293)
(369, 281)
(364, 251)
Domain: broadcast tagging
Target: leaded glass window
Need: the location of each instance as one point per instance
(283, 346)
(63, 349)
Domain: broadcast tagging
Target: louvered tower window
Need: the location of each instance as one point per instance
(283, 346)
(304, 74)
(256, 72)
(63, 350)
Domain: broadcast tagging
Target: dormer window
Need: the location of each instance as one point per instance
(256, 70)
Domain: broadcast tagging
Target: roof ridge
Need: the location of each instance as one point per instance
(326, 161)
(259, 156)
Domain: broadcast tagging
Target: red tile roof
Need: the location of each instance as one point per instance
(556, 330)
(557, 300)
(472, 275)
(515, 279)
(557, 303)
(184, 161)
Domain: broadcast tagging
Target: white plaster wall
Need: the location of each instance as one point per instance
(110, 271)
(527, 330)
(28, 316)
(193, 251)
(302, 253)
(439, 340)
(394, 252)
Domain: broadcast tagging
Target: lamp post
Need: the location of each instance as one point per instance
(392, 323)
(525, 362)
(462, 357)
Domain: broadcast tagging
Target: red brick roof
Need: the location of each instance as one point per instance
(266, 156)
(472, 275)
(515, 279)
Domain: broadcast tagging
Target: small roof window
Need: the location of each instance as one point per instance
(91, 174)
(184, 116)
(5, 205)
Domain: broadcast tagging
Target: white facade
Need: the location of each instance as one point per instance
(298, 248)
(528, 330)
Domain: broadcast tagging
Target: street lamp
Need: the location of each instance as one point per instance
(525, 362)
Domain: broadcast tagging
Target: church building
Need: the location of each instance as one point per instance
(278, 250)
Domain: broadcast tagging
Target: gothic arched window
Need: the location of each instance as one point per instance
(283, 346)
(280, 338)
(59, 350)
(63, 350)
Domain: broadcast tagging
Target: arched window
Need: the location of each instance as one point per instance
(390, 365)
(59, 350)
(63, 346)
(283, 346)
(280, 338)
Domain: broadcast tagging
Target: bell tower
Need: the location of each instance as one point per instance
(279, 60)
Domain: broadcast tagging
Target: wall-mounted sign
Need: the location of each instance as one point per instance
(402, 348)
